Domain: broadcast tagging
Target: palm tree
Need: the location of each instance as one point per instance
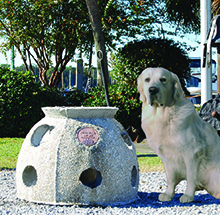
(183, 13)
(187, 12)
(216, 7)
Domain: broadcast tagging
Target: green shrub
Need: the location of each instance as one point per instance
(21, 100)
(16, 91)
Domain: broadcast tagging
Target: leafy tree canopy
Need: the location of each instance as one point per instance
(45, 28)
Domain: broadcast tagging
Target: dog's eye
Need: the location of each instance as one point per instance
(162, 80)
(147, 79)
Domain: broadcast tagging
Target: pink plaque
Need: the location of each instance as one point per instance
(87, 136)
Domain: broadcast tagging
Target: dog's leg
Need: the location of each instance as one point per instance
(190, 192)
(169, 194)
(191, 177)
(171, 184)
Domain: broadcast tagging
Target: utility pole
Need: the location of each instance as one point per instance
(206, 72)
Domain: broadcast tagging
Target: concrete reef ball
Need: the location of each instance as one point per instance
(78, 155)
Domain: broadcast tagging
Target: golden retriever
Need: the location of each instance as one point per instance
(188, 147)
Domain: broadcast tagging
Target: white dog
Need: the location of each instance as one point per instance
(188, 147)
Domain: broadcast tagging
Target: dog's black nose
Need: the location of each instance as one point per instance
(153, 90)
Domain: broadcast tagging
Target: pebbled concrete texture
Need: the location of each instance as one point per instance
(60, 164)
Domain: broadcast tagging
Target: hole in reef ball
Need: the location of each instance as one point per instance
(126, 138)
(91, 178)
(134, 176)
(29, 176)
(39, 134)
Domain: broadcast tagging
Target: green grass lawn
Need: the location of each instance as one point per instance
(9, 150)
(10, 147)
(149, 163)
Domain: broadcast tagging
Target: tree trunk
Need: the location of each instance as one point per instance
(42, 76)
(95, 19)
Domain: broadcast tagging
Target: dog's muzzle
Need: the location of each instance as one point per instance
(153, 90)
(153, 99)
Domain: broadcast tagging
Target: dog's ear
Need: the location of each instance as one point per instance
(140, 86)
(177, 89)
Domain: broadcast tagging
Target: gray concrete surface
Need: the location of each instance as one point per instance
(143, 147)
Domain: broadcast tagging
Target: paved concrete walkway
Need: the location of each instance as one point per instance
(143, 147)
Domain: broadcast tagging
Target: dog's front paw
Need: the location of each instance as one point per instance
(164, 197)
(185, 198)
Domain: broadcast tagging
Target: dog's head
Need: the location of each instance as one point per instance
(159, 87)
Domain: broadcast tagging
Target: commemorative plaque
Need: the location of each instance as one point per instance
(87, 136)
